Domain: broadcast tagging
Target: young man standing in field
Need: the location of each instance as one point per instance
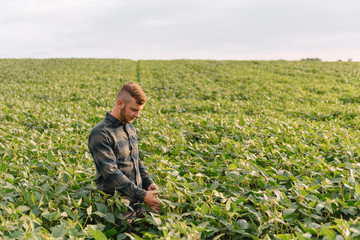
(113, 144)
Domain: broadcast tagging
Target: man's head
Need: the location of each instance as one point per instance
(130, 100)
(131, 90)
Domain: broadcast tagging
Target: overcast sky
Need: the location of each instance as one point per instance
(186, 29)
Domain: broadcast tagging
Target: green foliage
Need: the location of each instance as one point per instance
(239, 149)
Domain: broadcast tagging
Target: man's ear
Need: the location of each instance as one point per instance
(120, 103)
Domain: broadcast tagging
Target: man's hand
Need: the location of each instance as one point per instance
(151, 201)
(152, 187)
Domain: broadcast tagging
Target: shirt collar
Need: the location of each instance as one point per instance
(113, 119)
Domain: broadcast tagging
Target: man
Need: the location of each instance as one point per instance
(113, 144)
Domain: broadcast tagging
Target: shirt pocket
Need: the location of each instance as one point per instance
(134, 138)
(122, 147)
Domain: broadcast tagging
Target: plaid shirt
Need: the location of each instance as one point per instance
(114, 147)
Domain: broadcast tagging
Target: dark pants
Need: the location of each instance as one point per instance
(135, 209)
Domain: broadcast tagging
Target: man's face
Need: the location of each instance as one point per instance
(130, 111)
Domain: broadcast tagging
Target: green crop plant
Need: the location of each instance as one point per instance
(239, 149)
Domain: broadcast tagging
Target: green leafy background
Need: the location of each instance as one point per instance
(238, 149)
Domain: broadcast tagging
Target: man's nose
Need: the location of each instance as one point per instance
(137, 114)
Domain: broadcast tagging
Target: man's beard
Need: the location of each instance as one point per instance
(123, 116)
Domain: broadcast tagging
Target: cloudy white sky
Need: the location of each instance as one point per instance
(186, 29)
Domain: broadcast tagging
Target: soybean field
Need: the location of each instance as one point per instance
(238, 149)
